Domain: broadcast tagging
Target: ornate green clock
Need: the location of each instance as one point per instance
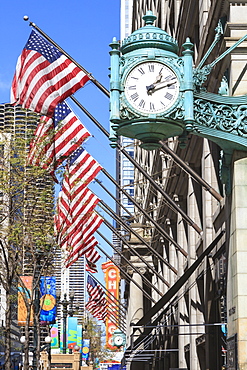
(155, 94)
(119, 338)
(147, 86)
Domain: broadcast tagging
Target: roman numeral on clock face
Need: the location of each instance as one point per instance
(141, 71)
(134, 96)
(142, 103)
(168, 96)
(151, 68)
(132, 87)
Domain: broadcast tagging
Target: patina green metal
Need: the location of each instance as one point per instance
(220, 118)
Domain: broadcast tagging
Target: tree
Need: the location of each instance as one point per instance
(26, 223)
(94, 332)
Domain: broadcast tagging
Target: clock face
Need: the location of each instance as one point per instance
(151, 87)
(118, 340)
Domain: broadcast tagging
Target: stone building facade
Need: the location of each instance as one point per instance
(198, 320)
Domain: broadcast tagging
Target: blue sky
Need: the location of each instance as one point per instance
(84, 29)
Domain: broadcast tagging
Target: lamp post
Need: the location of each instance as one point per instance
(67, 310)
(22, 340)
(48, 341)
(36, 307)
(82, 330)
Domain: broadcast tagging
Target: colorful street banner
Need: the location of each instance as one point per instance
(112, 278)
(24, 289)
(79, 336)
(47, 300)
(72, 332)
(85, 349)
(54, 336)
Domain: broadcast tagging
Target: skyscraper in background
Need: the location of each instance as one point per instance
(71, 279)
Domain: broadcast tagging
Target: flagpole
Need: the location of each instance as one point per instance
(165, 148)
(97, 83)
(117, 319)
(148, 217)
(135, 252)
(116, 200)
(119, 219)
(118, 304)
(122, 270)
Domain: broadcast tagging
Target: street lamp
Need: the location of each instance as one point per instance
(22, 340)
(36, 306)
(48, 341)
(82, 331)
(68, 310)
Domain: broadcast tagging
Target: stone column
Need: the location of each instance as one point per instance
(135, 306)
(237, 260)
(193, 238)
(182, 314)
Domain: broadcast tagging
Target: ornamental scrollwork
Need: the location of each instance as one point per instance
(224, 117)
(200, 75)
(126, 113)
(177, 113)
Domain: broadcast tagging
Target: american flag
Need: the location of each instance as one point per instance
(56, 138)
(92, 256)
(87, 250)
(72, 213)
(96, 304)
(80, 170)
(44, 77)
(79, 238)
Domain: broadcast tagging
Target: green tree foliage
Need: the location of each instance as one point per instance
(94, 332)
(26, 221)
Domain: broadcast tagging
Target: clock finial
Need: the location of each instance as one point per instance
(149, 18)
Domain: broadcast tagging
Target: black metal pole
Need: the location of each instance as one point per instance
(120, 268)
(135, 252)
(116, 200)
(131, 230)
(148, 217)
(65, 312)
(82, 330)
(36, 309)
(165, 148)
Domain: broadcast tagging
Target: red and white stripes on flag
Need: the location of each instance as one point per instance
(92, 256)
(75, 200)
(79, 240)
(72, 214)
(81, 169)
(96, 304)
(44, 77)
(56, 138)
(76, 221)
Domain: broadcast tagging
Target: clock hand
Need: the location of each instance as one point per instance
(160, 85)
(158, 78)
